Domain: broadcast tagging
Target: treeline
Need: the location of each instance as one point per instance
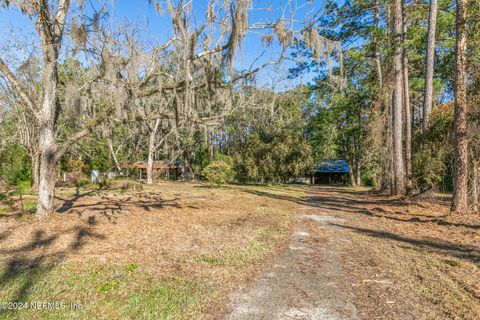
(407, 118)
(261, 141)
(88, 95)
(395, 94)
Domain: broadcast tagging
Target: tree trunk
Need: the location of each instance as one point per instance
(353, 181)
(150, 162)
(187, 170)
(460, 193)
(430, 63)
(220, 140)
(210, 140)
(397, 103)
(48, 145)
(35, 170)
(376, 47)
(50, 33)
(386, 99)
(406, 102)
(475, 191)
(358, 177)
(114, 156)
(151, 151)
(408, 122)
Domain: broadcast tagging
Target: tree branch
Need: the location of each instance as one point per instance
(60, 18)
(82, 133)
(19, 88)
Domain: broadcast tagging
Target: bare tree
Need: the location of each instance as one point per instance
(203, 53)
(28, 139)
(50, 24)
(460, 193)
(197, 92)
(153, 95)
(158, 126)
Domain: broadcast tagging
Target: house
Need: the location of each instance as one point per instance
(170, 169)
(331, 172)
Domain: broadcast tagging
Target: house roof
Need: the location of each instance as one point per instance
(331, 166)
(159, 164)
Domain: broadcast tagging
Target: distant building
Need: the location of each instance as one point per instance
(168, 169)
(331, 172)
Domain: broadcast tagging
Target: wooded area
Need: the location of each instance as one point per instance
(239, 159)
(394, 93)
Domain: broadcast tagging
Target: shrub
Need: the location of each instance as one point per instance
(104, 183)
(14, 165)
(22, 187)
(30, 206)
(81, 183)
(218, 172)
(131, 185)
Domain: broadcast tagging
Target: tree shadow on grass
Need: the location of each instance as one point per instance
(466, 252)
(275, 196)
(113, 204)
(69, 203)
(342, 199)
(29, 264)
(407, 217)
(324, 195)
(351, 201)
(4, 235)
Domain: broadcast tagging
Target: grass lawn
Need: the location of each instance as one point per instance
(169, 251)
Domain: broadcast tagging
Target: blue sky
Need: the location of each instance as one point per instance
(156, 28)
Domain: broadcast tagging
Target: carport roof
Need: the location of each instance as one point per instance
(331, 166)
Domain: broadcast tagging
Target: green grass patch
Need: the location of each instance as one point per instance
(131, 267)
(453, 263)
(23, 187)
(167, 300)
(95, 291)
(108, 285)
(264, 243)
(29, 205)
(212, 259)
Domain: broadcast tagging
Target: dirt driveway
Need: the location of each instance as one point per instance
(355, 255)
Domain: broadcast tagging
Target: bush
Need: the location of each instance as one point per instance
(135, 186)
(30, 206)
(14, 165)
(434, 156)
(81, 183)
(23, 187)
(218, 172)
(104, 183)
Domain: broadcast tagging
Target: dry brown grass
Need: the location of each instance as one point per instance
(407, 260)
(215, 237)
(176, 250)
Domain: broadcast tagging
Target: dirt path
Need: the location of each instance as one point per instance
(355, 254)
(307, 280)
